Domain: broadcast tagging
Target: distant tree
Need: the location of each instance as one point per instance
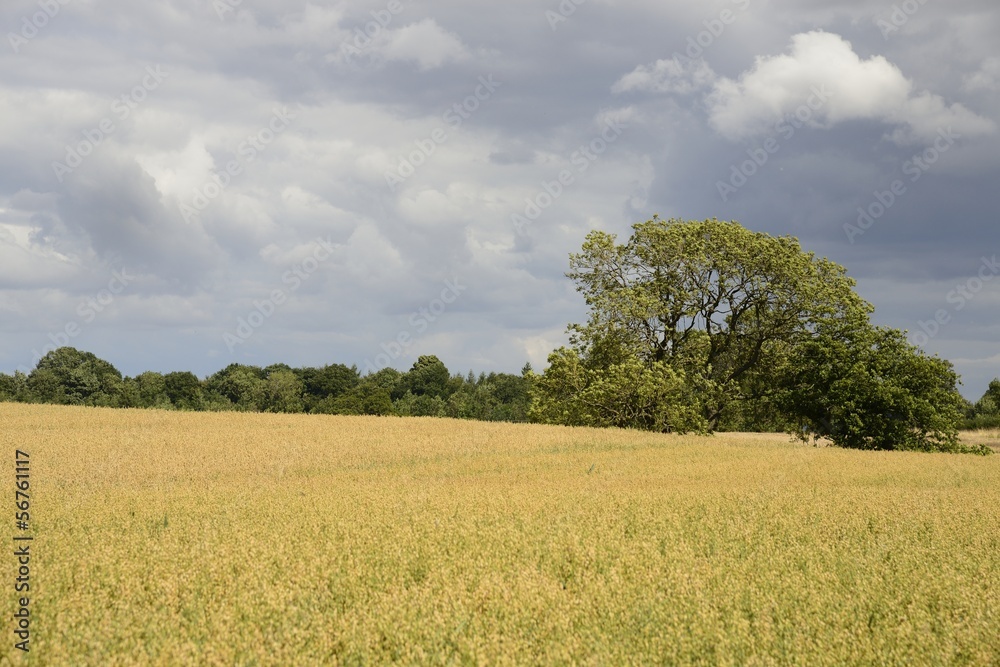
(7, 392)
(45, 386)
(282, 392)
(152, 390)
(993, 393)
(984, 413)
(386, 378)
(69, 376)
(183, 388)
(493, 397)
(365, 398)
(513, 394)
(422, 405)
(429, 376)
(241, 385)
(128, 395)
(327, 382)
(14, 387)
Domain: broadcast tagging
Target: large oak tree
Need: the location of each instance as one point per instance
(709, 315)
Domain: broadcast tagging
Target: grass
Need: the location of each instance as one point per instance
(982, 436)
(222, 538)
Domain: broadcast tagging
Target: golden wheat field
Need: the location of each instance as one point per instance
(166, 538)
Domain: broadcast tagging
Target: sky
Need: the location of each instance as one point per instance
(186, 184)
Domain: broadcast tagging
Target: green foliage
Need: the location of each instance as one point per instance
(427, 376)
(367, 397)
(704, 325)
(14, 387)
(152, 390)
(493, 397)
(422, 405)
(387, 378)
(72, 377)
(763, 415)
(183, 389)
(870, 389)
(984, 413)
(282, 392)
(993, 392)
(327, 382)
(241, 385)
(717, 303)
(628, 394)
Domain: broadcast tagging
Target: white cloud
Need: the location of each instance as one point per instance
(823, 70)
(425, 42)
(667, 76)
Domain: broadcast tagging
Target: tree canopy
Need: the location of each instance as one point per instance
(70, 376)
(693, 323)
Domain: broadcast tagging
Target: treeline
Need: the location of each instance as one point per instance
(71, 377)
(67, 376)
(984, 413)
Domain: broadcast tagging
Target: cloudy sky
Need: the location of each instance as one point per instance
(190, 183)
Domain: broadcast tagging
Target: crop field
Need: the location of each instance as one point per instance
(165, 538)
(989, 437)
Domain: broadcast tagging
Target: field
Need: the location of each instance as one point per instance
(989, 437)
(245, 539)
